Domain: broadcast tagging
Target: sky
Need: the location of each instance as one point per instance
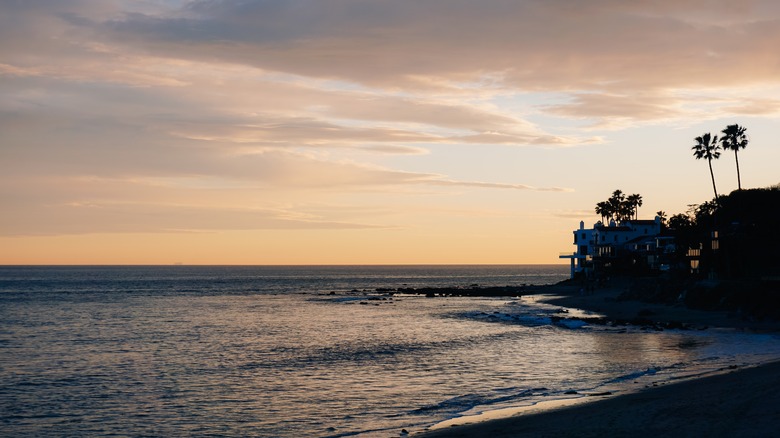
(366, 131)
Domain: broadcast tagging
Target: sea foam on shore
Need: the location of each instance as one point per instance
(740, 403)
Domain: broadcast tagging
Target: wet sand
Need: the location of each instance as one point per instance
(741, 402)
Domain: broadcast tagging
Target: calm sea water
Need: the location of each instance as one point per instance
(306, 351)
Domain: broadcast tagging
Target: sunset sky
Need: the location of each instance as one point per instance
(366, 131)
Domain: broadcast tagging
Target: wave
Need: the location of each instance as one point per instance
(465, 402)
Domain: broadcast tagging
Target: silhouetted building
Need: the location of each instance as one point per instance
(632, 243)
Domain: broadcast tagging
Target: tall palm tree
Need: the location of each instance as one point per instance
(707, 147)
(602, 209)
(635, 201)
(734, 138)
(616, 207)
(626, 211)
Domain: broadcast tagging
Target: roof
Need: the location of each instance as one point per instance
(618, 228)
(642, 222)
(641, 239)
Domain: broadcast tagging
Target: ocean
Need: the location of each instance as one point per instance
(296, 351)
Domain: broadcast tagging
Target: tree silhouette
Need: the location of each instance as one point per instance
(602, 209)
(635, 201)
(616, 204)
(734, 138)
(707, 147)
(680, 221)
(619, 207)
(662, 215)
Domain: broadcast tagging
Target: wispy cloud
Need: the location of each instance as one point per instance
(535, 44)
(480, 184)
(100, 218)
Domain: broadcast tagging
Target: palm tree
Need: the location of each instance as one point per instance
(626, 211)
(616, 205)
(707, 147)
(734, 138)
(635, 201)
(661, 215)
(602, 209)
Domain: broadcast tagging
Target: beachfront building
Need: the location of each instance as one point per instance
(627, 242)
(583, 241)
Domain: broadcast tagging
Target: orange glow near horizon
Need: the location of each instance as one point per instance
(268, 248)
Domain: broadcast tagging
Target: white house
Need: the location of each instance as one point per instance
(608, 241)
(605, 242)
(583, 242)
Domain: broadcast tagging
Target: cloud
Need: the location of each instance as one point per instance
(397, 149)
(407, 68)
(534, 44)
(530, 44)
(757, 107)
(164, 205)
(246, 107)
(575, 214)
(119, 111)
(612, 109)
(490, 185)
(97, 218)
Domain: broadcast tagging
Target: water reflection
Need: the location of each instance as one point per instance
(298, 364)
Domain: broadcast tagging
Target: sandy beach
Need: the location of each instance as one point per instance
(739, 402)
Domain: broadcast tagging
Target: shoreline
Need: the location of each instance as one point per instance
(606, 302)
(728, 402)
(743, 402)
(604, 305)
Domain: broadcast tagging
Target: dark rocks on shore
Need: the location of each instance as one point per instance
(471, 291)
(753, 299)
